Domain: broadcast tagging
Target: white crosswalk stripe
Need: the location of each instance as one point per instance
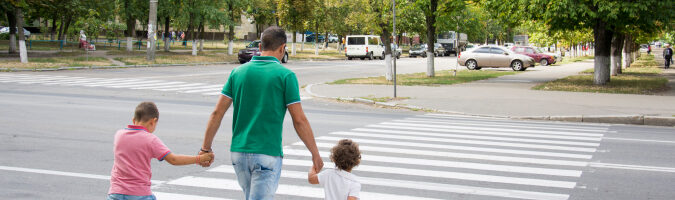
(419, 159)
(118, 83)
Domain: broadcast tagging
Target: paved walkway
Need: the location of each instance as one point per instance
(511, 96)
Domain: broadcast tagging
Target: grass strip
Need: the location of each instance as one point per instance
(442, 78)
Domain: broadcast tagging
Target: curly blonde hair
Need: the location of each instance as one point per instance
(346, 154)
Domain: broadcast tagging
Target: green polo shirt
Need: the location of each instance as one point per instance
(260, 91)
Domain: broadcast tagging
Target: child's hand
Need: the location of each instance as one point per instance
(206, 159)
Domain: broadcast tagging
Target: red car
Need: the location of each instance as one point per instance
(541, 58)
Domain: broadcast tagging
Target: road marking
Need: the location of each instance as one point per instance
(445, 135)
(468, 155)
(493, 124)
(480, 142)
(451, 164)
(131, 83)
(446, 174)
(504, 120)
(61, 173)
(189, 88)
(639, 140)
(294, 190)
(632, 167)
(439, 187)
(168, 86)
(173, 196)
(216, 88)
(492, 129)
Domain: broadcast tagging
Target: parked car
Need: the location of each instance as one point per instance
(439, 50)
(332, 38)
(533, 52)
(509, 45)
(364, 46)
(494, 56)
(557, 57)
(418, 50)
(5, 30)
(253, 49)
(397, 50)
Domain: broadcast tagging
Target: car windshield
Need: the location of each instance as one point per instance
(417, 47)
(538, 50)
(508, 50)
(253, 44)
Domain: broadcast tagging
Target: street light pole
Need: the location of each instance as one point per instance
(457, 50)
(152, 26)
(395, 43)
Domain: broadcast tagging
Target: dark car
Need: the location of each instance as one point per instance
(252, 49)
(538, 57)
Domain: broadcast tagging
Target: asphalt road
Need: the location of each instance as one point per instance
(57, 130)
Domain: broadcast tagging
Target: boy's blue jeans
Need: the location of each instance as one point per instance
(130, 197)
(258, 174)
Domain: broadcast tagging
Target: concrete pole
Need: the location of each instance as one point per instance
(395, 44)
(152, 27)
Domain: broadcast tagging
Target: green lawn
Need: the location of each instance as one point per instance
(55, 62)
(441, 78)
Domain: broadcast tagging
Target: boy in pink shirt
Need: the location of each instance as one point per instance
(134, 147)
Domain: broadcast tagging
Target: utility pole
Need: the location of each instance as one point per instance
(152, 27)
(395, 43)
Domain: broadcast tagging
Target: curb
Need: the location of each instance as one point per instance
(109, 67)
(607, 119)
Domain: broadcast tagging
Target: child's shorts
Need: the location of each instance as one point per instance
(130, 197)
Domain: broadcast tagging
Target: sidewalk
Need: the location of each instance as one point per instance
(511, 96)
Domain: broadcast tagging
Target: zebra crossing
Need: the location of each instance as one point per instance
(117, 83)
(435, 156)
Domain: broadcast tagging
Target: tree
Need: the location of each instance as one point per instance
(293, 14)
(234, 9)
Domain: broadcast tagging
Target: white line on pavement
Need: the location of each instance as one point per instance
(173, 196)
(445, 135)
(510, 125)
(467, 155)
(61, 173)
(451, 164)
(439, 187)
(504, 120)
(639, 140)
(493, 129)
(294, 190)
(446, 175)
(480, 142)
(632, 167)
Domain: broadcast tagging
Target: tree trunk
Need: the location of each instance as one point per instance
(603, 46)
(52, 30)
(627, 45)
(617, 46)
(230, 40)
(201, 35)
(22, 38)
(302, 46)
(11, 17)
(388, 67)
(152, 30)
(295, 35)
(130, 33)
(431, 33)
(69, 19)
(167, 34)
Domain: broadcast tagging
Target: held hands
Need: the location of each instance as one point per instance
(318, 163)
(206, 158)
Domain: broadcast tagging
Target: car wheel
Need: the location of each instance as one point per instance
(285, 58)
(471, 65)
(424, 55)
(370, 56)
(517, 65)
(382, 57)
(543, 62)
(363, 58)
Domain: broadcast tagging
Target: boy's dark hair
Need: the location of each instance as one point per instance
(345, 154)
(272, 38)
(146, 111)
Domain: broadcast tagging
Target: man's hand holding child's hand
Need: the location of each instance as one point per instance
(205, 159)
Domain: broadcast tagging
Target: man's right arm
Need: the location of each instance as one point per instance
(222, 106)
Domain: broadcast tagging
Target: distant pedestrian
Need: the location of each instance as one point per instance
(649, 49)
(340, 183)
(668, 55)
(133, 149)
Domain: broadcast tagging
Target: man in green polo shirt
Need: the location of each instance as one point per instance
(261, 91)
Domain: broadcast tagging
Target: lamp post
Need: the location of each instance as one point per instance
(395, 43)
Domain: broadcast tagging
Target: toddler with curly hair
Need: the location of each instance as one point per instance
(340, 183)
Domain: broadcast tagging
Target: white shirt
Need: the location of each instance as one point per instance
(338, 184)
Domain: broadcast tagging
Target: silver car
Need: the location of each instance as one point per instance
(494, 56)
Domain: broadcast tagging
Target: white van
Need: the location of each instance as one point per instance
(364, 46)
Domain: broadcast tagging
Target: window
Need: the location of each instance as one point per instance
(356, 41)
(520, 49)
(482, 50)
(529, 50)
(253, 44)
(373, 41)
(494, 50)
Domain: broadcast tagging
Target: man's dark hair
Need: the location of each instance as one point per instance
(272, 38)
(145, 111)
(346, 154)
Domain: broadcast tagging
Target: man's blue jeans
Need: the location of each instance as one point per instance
(258, 174)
